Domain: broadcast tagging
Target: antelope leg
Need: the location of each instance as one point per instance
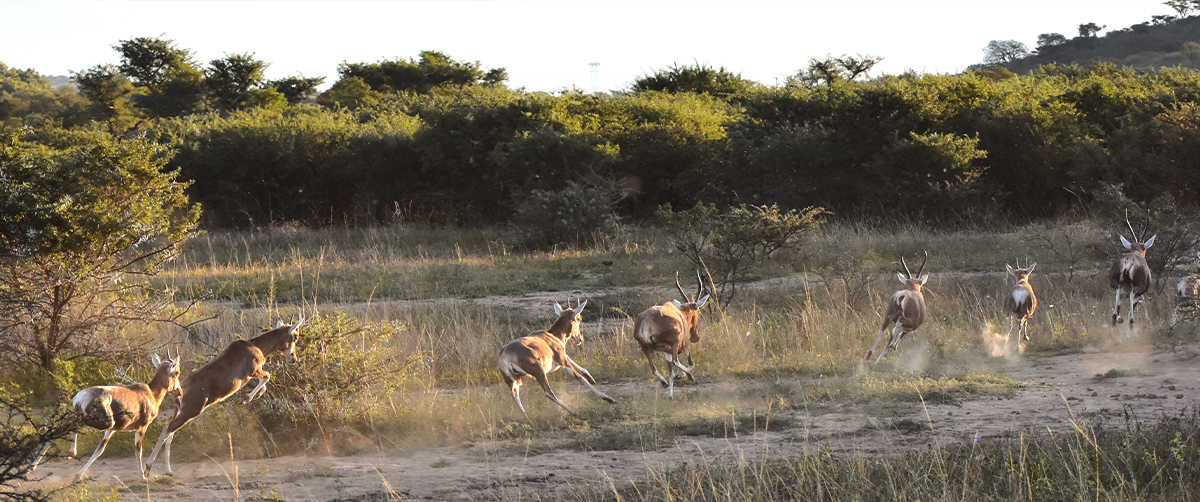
(585, 377)
(99, 451)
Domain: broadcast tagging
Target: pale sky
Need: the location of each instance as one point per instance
(548, 45)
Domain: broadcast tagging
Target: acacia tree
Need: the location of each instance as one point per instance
(81, 230)
(1000, 52)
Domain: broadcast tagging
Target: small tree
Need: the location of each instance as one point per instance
(830, 70)
(729, 245)
(1192, 51)
(1050, 40)
(81, 229)
(696, 78)
(1000, 52)
(1090, 30)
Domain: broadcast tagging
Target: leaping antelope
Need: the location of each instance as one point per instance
(1186, 293)
(113, 408)
(1020, 303)
(906, 309)
(232, 369)
(1130, 273)
(543, 352)
(663, 328)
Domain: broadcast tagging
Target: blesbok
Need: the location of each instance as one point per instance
(1187, 293)
(905, 310)
(232, 369)
(113, 408)
(543, 352)
(1130, 275)
(1020, 303)
(662, 328)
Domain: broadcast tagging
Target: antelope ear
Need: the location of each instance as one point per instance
(1030, 270)
(701, 302)
(579, 309)
(924, 278)
(903, 280)
(557, 308)
(1126, 242)
(155, 360)
(1150, 241)
(677, 304)
(1010, 269)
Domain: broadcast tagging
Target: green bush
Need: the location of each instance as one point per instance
(578, 214)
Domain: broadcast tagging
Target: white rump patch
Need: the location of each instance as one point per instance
(1020, 296)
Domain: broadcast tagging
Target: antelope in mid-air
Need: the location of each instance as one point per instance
(232, 369)
(113, 408)
(1187, 292)
(670, 328)
(906, 309)
(543, 352)
(1130, 275)
(1020, 303)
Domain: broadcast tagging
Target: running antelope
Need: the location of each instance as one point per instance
(906, 309)
(113, 408)
(663, 328)
(1186, 294)
(543, 352)
(1130, 273)
(1020, 303)
(232, 369)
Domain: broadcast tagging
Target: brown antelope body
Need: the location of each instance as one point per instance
(113, 408)
(905, 310)
(232, 369)
(1130, 275)
(543, 352)
(670, 328)
(1187, 291)
(1020, 303)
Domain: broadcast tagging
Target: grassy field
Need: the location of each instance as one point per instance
(394, 316)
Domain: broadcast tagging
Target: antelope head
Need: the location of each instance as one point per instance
(289, 350)
(1022, 274)
(170, 368)
(1138, 247)
(691, 309)
(911, 281)
(573, 316)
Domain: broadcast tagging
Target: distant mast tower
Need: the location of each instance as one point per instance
(594, 69)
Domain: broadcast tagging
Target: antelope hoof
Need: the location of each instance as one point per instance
(609, 399)
(663, 384)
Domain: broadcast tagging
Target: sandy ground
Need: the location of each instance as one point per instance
(1057, 391)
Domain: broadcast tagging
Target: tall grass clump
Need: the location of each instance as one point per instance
(1101, 461)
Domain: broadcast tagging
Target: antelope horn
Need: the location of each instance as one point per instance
(680, 288)
(907, 273)
(1132, 232)
(922, 269)
(699, 286)
(297, 324)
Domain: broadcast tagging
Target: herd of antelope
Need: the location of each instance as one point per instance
(669, 329)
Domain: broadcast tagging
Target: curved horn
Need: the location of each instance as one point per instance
(923, 263)
(699, 286)
(907, 273)
(297, 324)
(680, 288)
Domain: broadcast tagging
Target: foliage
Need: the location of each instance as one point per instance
(998, 52)
(579, 213)
(697, 78)
(831, 70)
(170, 83)
(296, 89)
(24, 435)
(28, 99)
(728, 245)
(1050, 39)
(229, 80)
(81, 228)
(431, 71)
(345, 375)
